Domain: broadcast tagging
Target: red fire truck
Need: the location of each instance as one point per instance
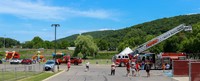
(151, 43)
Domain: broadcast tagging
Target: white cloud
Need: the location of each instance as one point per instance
(104, 29)
(192, 13)
(38, 10)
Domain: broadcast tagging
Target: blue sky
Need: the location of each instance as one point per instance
(24, 19)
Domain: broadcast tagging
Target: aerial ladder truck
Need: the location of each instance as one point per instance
(160, 38)
(157, 40)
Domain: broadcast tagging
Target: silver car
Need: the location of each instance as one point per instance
(15, 61)
(49, 65)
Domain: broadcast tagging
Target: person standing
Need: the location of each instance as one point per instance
(167, 66)
(163, 67)
(87, 65)
(128, 69)
(68, 65)
(133, 69)
(113, 66)
(147, 68)
(57, 63)
(137, 68)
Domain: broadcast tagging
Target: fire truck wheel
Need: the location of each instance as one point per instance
(122, 64)
(75, 63)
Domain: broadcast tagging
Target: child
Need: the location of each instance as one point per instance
(163, 67)
(68, 65)
(113, 69)
(87, 65)
(133, 69)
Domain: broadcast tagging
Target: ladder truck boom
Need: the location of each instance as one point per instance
(161, 38)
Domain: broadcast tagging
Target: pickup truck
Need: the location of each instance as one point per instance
(75, 60)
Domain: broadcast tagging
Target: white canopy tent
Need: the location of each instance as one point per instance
(125, 52)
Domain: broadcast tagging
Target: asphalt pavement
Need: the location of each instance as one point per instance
(102, 73)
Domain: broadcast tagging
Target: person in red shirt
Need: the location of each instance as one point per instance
(137, 68)
(128, 69)
(68, 65)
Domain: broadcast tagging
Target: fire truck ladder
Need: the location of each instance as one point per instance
(160, 38)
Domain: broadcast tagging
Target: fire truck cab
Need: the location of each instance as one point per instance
(121, 60)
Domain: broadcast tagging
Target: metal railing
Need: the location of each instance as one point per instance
(16, 72)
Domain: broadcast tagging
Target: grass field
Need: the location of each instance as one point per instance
(12, 75)
(38, 77)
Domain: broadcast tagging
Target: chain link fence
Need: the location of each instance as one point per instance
(17, 72)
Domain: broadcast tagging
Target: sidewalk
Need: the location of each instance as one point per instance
(181, 78)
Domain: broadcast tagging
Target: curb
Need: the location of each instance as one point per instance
(53, 75)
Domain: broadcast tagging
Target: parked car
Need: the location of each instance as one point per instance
(26, 61)
(49, 65)
(15, 61)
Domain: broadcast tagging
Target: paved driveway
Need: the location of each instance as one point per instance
(102, 73)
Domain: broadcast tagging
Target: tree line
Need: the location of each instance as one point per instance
(8, 42)
(37, 42)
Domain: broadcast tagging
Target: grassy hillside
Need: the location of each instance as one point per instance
(138, 34)
(94, 34)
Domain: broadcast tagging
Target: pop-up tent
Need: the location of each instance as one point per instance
(126, 51)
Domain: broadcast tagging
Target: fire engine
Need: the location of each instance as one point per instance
(135, 54)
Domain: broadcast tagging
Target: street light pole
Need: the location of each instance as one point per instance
(55, 25)
(4, 41)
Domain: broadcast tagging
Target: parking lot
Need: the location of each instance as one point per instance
(102, 73)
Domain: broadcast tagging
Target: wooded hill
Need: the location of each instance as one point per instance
(141, 33)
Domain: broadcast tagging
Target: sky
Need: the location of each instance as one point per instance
(22, 20)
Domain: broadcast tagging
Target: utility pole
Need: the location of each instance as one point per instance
(55, 25)
(4, 41)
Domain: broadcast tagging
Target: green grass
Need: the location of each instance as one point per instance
(38, 77)
(11, 75)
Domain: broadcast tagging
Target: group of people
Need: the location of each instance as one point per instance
(68, 64)
(133, 67)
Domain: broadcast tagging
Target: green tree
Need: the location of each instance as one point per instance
(63, 44)
(85, 45)
(48, 44)
(28, 44)
(38, 42)
(103, 45)
(172, 44)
